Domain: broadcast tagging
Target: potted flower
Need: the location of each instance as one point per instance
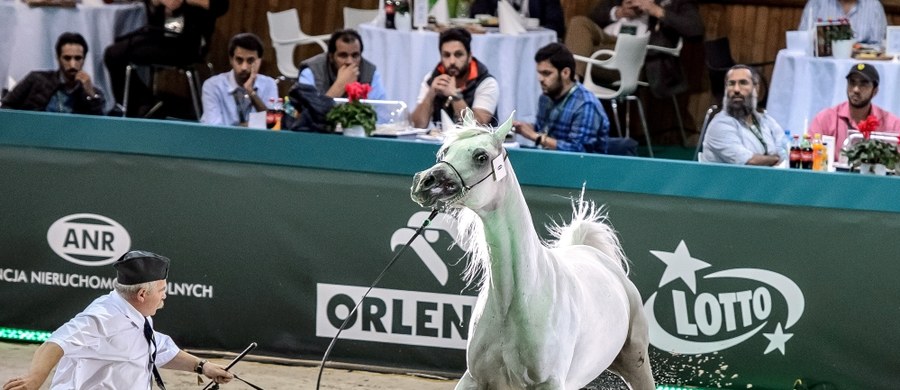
(840, 35)
(353, 113)
(871, 155)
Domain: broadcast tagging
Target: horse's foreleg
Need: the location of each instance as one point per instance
(466, 382)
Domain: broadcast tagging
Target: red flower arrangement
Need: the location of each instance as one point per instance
(869, 150)
(354, 112)
(356, 91)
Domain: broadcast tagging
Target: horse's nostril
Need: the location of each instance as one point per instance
(429, 181)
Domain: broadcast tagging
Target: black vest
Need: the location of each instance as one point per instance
(325, 76)
(468, 92)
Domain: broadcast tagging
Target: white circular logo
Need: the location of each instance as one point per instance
(88, 239)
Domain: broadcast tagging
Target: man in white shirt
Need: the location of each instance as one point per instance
(112, 344)
(458, 82)
(230, 97)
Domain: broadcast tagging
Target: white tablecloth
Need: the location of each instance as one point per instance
(404, 58)
(803, 85)
(29, 36)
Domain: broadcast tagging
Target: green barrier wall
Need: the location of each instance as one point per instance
(753, 277)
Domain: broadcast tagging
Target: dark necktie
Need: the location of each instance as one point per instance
(151, 341)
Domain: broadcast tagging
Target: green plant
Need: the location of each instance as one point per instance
(840, 31)
(354, 112)
(871, 151)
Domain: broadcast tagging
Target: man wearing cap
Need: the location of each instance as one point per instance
(862, 86)
(112, 344)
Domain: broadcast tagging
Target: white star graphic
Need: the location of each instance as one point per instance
(777, 339)
(680, 265)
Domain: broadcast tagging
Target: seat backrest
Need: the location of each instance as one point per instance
(710, 112)
(284, 26)
(353, 17)
(628, 59)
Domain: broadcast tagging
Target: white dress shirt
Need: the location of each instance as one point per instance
(104, 348)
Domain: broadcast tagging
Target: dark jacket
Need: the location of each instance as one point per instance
(199, 23)
(549, 12)
(325, 76)
(682, 20)
(34, 92)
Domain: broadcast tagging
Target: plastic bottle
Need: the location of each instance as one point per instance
(794, 156)
(785, 149)
(389, 11)
(279, 113)
(270, 113)
(806, 153)
(819, 154)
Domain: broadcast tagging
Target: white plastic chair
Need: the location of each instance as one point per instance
(353, 17)
(628, 59)
(284, 29)
(710, 112)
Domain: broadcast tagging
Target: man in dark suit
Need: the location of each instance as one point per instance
(665, 20)
(549, 12)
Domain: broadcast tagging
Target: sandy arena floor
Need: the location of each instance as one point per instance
(15, 359)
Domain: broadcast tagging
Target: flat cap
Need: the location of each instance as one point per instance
(136, 267)
(867, 71)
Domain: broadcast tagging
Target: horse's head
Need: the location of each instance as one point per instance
(470, 164)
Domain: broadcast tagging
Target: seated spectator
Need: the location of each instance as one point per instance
(667, 21)
(548, 12)
(458, 82)
(867, 18)
(862, 86)
(343, 64)
(569, 117)
(230, 97)
(68, 89)
(739, 134)
(177, 33)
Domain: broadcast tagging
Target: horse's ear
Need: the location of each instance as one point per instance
(504, 129)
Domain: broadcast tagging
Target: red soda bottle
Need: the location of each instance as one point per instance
(795, 159)
(806, 153)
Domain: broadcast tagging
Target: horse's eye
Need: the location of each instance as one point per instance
(481, 158)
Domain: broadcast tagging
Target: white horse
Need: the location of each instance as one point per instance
(547, 317)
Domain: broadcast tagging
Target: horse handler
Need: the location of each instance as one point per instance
(112, 344)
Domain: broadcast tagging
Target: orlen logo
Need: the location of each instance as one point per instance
(88, 239)
(729, 307)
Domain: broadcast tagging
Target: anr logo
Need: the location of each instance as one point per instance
(726, 317)
(88, 239)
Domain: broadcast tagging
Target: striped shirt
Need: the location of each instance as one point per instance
(867, 18)
(577, 122)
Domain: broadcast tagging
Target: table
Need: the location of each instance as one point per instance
(804, 85)
(30, 33)
(404, 58)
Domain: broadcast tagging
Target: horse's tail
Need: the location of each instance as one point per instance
(589, 227)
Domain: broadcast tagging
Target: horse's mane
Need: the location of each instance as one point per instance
(467, 129)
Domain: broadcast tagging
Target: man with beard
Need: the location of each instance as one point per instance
(739, 134)
(68, 89)
(230, 97)
(569, 116)
(343, 64)
(458, 82)
(112, 343)
(862, 86)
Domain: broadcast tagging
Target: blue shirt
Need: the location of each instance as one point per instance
(377, 92)
(577, 121)
(221, 95)
(867, 18)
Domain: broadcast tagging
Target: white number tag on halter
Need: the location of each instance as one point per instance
(499, 167)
